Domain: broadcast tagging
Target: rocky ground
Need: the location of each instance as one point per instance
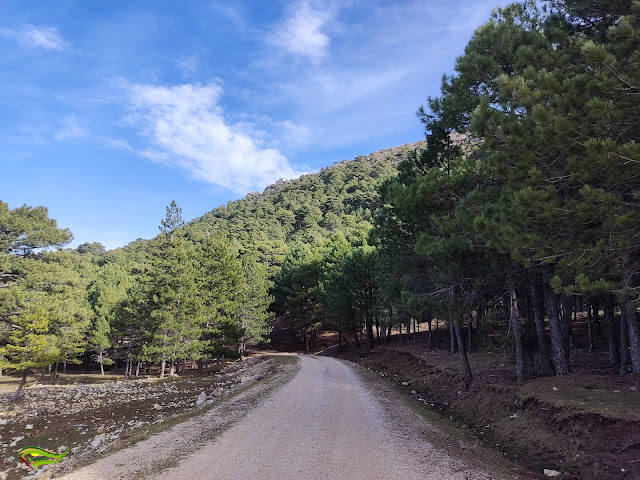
(90, 419)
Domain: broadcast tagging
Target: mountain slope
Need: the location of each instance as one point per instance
(341, 197)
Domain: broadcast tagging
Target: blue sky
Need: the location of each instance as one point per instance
(111, 110)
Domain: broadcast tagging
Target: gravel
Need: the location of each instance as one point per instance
(326, 423)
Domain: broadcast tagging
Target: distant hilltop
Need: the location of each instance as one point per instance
(396, 154)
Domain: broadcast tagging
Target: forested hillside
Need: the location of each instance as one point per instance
(340, 198)
(195, 292)
(519, 215)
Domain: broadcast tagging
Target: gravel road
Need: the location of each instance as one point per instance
(327, 423)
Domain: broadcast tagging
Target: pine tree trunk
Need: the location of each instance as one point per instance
(545, 356)
(560, 354)
(529, 340)
(470, 333)
(612, 328)
(415, 338)
(138, 369)
(355, 330)
(581, 304)
(369, 321)
(426, 316)
(624, 345)
(452, 337)
(505, 317)
(23, 380)
(101, 368)
(64, 367)
(306, 342)
(378, 331)
(172, 369)
(55, 372)
(464, 359)
(628, 312)
(400, 331)
(517, 333)
(566, 302)
(162, 367)
(629, 334)
(596, 316)
(389, 333)
(589, 327)
(634, 337)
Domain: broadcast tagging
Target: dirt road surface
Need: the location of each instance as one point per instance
(327, 423)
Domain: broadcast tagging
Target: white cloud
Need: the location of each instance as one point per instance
(186, 128)
(116, 143)
(37, 36)
(71, 128)
(301, 32)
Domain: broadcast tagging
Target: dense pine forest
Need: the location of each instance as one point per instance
(195, 293)
(519, 213)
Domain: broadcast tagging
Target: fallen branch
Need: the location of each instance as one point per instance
(624, 447)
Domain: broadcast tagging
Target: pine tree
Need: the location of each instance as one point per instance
(107, 295)
(221, 291)
(253, 313)
(100, 342)
(170, 297)
(299, 284)
(37, 298)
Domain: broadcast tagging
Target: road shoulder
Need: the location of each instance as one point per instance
(420, 425)
(165, 449)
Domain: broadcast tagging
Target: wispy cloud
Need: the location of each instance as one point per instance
(186, 128)
(71, 127)
(230, 15)
(385, 59)
(294, 135)
(43, 36)
(188, 65)
(301, 32)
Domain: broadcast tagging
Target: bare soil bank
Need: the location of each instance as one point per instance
(585, 425)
